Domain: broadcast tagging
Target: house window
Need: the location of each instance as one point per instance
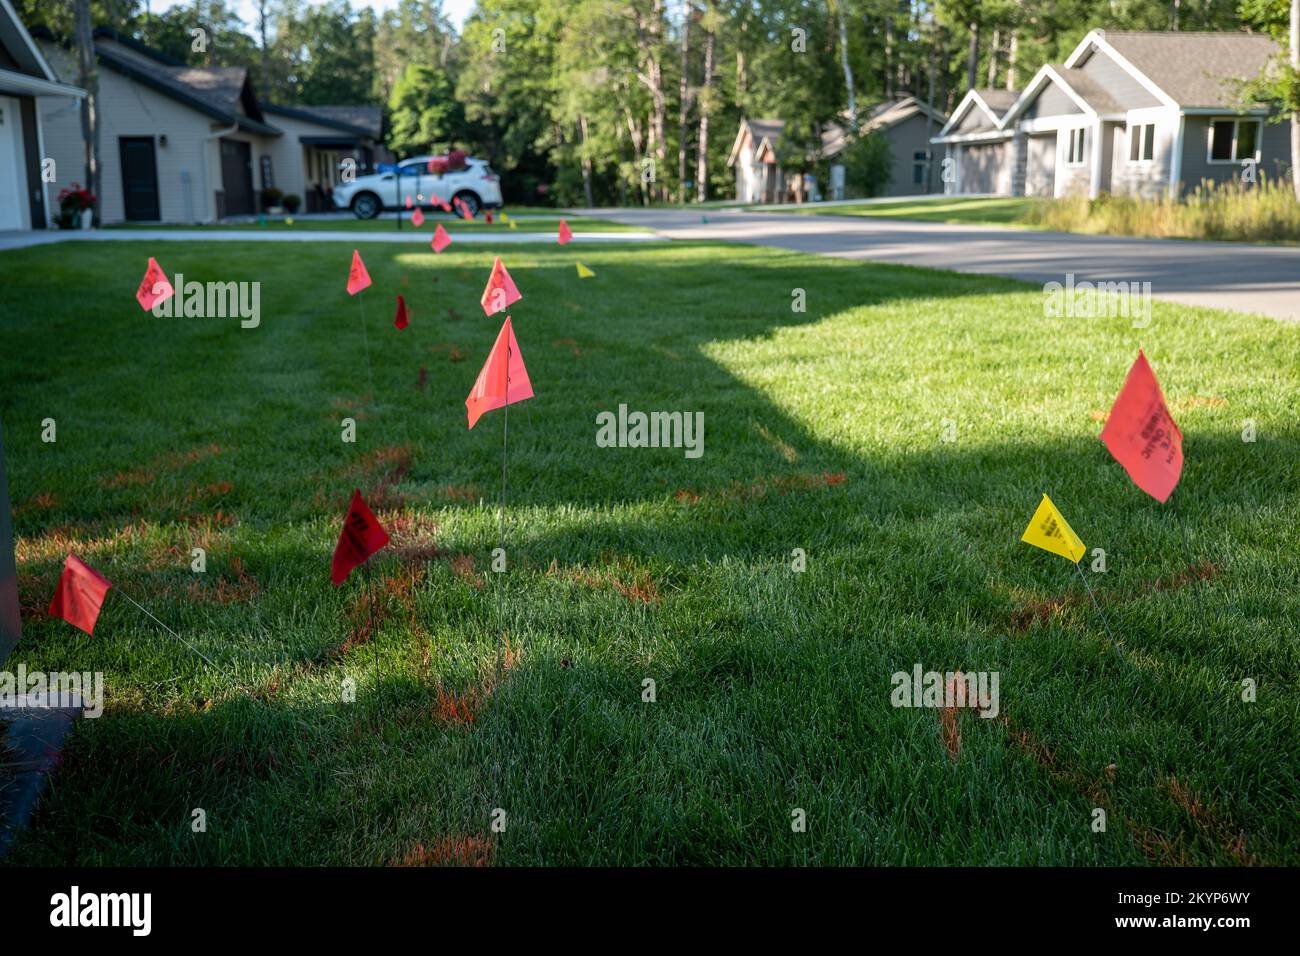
(1142, 143)
(1076, 154)
(920, 162)
(1234, 140)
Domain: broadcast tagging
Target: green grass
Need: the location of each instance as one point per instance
(388, 223)
(822, 432)
(966, 211)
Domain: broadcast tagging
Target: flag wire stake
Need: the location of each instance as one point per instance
(365, 339)
(1078, 567)
(173, 633)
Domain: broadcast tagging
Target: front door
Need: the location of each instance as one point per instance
(139, 179)
(237, 176)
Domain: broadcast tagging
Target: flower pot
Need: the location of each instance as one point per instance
(87, 218)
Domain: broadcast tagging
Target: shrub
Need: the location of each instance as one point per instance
(271, 197)
(868, 167)
(292, 202)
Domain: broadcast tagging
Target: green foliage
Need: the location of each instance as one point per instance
(424, 114)
(868, 165)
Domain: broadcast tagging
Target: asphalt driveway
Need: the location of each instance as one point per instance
(1224, 275)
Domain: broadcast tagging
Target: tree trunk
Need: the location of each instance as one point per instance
(1295, 117)
(706, 104)
(88, 80)
(1012, 50)
(265, 91)
(973, 56)
(586, 162)
(889, 57)
(683, 104)
(652, 78)
(993, 56)
(848, 70)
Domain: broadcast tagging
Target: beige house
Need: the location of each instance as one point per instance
(184, 144)
(309, 157)
(25, 78)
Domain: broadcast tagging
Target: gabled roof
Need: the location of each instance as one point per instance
(992, 103)
(33, 74)
(223, 93)
(1090, 97)
(366, 121)
(1188, 70)
(893, 112)
(762, 131)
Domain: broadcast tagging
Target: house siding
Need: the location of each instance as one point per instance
(1052, 101)
(1147, 180)
(909, 136)
(1275, 153)
(1115, 80)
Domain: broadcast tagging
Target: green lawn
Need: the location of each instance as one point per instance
(388, 223)
(965, 211)
(822, 432)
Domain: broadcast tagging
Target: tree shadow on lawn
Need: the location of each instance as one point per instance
(913, 556)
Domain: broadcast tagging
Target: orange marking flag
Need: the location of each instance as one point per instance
(500, 292)
(1141, 433)
(358, 277)
(154, 287)
(80, 594)
(362, 536)
(440, 239)
(503, 379)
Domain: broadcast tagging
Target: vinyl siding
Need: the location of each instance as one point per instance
(1148, 180)
(1051, 101)
(905, 138)
(1275, 153)
(1115, 80)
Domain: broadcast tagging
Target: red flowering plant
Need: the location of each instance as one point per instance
(73, 201)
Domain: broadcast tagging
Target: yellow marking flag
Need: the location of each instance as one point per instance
(505, 217)
(1049, 530)
(513, 224)
(584, 272)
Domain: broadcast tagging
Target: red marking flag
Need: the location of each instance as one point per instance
(154, 287)
(488, 217)
(358, 277)
(408, 202)
(80, 594)
(362, 536)
(565, 234)
(443, 204)
(500, 292)
(1141, 434)
(401, 321)
(417, 217)
(440, 239)
(503, 379)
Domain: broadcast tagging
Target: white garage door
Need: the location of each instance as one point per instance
(11, 165)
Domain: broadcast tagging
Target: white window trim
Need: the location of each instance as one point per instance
(1236, 125)
(1128, 143)
(1083, 147)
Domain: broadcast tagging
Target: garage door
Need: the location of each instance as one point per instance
(1040, 171)
(12, 168)
(981, 168)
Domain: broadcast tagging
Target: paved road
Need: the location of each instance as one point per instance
(39, 237)
(1225, 275)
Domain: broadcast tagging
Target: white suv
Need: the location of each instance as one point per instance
(476, 186)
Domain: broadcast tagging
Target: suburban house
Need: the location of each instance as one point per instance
(189, 144)
(907, 124)
(25, 75)
(1128, 113)
(317, 139)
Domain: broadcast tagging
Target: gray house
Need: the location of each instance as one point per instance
(188, 144)
(906, 123)
(1127, 113)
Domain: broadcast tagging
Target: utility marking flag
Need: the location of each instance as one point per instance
(408, 202)
(500, 292)
(505, 217)
(401, 321)
(513, 224)
(488, 217)
(80, 594)
(440, 239)
(1141, 434)
(358, 277)
(417, 217)
(503, 379)
(362, 536)
(584, 272)
(1049, 530)
(565, 235)
(154, 287)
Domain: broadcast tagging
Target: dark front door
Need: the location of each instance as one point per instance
(139, 178)
(237, 174)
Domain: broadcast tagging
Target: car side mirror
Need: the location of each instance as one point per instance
(387, 176)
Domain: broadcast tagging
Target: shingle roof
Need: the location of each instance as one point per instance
(998, 100)
(368, 118)
(1196, 69)
(1095, 95)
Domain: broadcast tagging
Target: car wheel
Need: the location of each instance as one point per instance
(470, 202)
(366, 206)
